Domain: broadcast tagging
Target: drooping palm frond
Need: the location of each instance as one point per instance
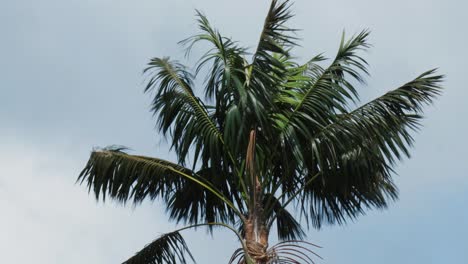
(288, 228)
(168, 248)
(192, 203)
(126, 177)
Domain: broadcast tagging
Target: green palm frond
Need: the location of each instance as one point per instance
(193, 203)
(121, 176)
(355, 153)
(275, 35)
(181, 112)
(226, 56)
(267, 71)
(168, 248)
(225, 82)
(311, 98)
(315, 94)
(387, 121)
(288, 228)
(124, 177)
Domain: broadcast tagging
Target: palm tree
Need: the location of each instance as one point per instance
(272, 135)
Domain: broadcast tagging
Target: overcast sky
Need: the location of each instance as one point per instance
(70, 80)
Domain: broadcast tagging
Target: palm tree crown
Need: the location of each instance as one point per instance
(270, 133)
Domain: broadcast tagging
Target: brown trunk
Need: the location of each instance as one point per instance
(256, 231)
(256, 239)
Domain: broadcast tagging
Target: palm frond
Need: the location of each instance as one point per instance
(226, 56)
(355, 153)
(310, 99)
(267, 72)
(225, 82)
(170, 248)
(193, 203)
(288, 228)
(275, 35)
(316, 94)
(386, 121)
(181, 112)
(123, 177)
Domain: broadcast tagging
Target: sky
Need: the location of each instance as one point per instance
(71, 80)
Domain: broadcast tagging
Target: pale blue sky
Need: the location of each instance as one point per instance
(70, 80)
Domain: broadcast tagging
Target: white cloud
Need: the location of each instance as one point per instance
(46, 218)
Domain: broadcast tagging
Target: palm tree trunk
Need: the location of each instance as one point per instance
(256, 231)
(256, 238)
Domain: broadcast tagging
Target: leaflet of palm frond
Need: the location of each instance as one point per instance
(288, 228)
(195, 204)
(168, 248)
(128, 177)
(225, 82)
(183, 114)
(113, 172)
(266, 71)
(356, 151)
(311, 98)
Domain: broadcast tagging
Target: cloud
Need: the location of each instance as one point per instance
(46, 218)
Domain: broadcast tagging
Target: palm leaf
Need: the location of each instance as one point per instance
(123, 177)
(275, 34)
(113, 172)
(170, 248)
(194, 203)
(355, 154)
(387, 121)
(310, 99)
(287, 227)
(225, 82)
(227, 68)
(180, 110)
(325, 91)
(267, 72)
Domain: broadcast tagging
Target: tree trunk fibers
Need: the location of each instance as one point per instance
(256, 231)
(256, 238)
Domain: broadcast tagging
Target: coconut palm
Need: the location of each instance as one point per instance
(274, 140)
